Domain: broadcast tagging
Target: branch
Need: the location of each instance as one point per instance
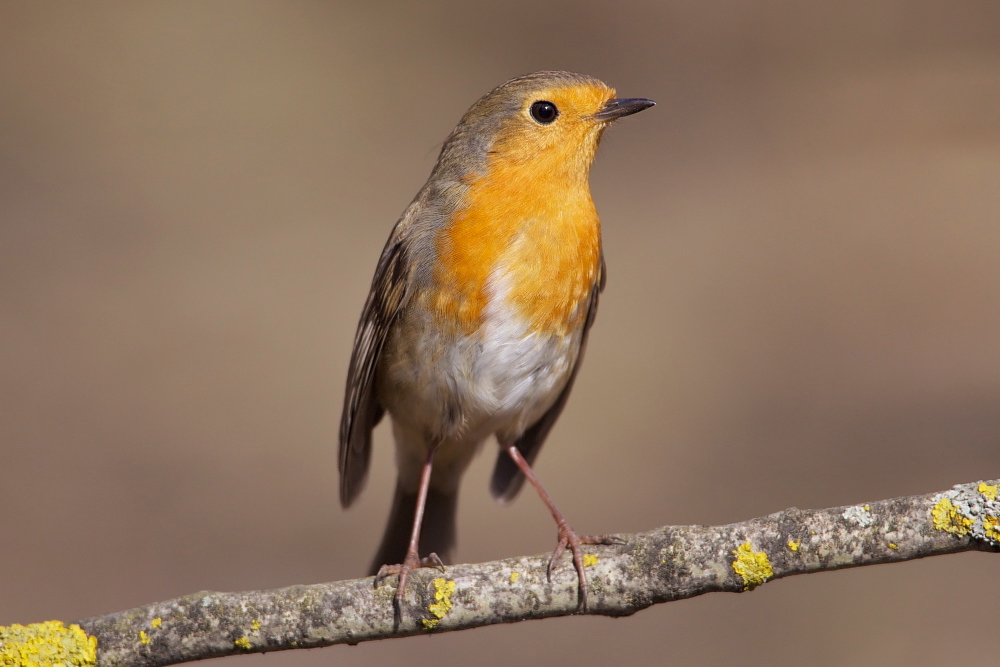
(669, 563)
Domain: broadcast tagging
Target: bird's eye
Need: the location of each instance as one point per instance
(544, 112)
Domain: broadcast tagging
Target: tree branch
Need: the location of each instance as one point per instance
(669, 563)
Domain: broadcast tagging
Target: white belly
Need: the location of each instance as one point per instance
(455, 393)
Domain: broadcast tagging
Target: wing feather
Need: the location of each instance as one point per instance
(362, 410)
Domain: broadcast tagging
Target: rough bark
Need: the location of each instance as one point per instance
(662, 565)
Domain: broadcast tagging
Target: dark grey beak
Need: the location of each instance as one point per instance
(615, 109)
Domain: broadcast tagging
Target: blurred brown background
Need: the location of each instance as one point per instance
(804, 253)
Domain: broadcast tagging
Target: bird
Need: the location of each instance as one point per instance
(479, 311)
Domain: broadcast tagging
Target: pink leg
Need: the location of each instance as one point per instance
(567, 536)
(413, 559)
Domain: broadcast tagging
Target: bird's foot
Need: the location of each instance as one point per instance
(411, 562)
(569, 539)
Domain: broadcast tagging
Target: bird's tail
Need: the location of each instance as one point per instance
(437, 534)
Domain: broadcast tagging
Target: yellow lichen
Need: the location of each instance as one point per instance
(255, 626)
(754, 567)
(990, 491)
(49, 643)
(243, 643)
(144, 638)
(991, 527)
(946, 517)
(443, 589)
(156, 622)
(794, 545)
(514, 576)
(589, 560)
(893, 545)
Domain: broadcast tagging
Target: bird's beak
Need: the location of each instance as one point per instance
(615, 109)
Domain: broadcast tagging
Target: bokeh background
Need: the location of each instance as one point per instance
(803, 309)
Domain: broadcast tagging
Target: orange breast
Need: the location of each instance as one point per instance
(539, 231)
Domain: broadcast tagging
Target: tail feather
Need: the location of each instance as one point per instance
(437, 534)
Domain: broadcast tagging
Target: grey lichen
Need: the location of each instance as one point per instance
(665, 564)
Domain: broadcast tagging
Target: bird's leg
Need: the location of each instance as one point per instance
(567, 536)
(412, 559)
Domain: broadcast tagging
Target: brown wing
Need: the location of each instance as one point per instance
(362, 410)
(507, 478)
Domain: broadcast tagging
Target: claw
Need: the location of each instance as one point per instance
(411, 562)
(432, 560)
(569, 538)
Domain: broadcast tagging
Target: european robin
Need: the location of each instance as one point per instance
(478, 314)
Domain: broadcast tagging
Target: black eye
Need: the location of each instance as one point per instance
(544, 112)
